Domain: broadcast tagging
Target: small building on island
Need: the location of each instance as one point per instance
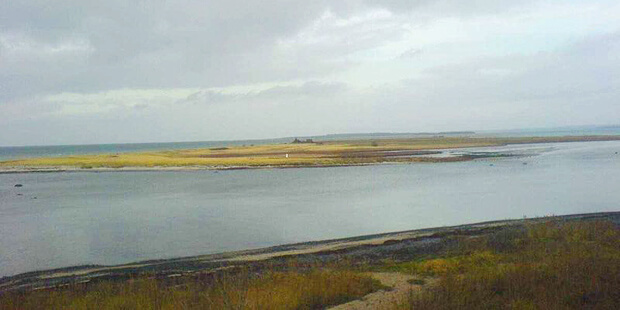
(304, 141)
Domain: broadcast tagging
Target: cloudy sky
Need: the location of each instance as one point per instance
(85, 71)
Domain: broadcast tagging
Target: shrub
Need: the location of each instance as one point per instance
(271, 290)
(553, 265)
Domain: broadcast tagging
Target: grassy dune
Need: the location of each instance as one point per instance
(546, 266)
(331, 153)
(558, 264)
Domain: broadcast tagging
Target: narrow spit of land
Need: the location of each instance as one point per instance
(288, 155)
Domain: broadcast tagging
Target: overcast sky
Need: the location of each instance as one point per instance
(83, 71)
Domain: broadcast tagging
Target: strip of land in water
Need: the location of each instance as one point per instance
(288, 155)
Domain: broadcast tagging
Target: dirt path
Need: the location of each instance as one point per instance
(384, 299)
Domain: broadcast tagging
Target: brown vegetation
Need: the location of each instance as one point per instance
(270, 290)
(547, 266)
(570, 262)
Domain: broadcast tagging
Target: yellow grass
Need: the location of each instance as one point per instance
(548, 266)
(312, 154)
(273, 290)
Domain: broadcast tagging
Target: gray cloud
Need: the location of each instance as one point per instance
(410, 53)
(84, 46)
(142, 44)
(575, 85)
(237, 69)
(309, 90)
(450, 7)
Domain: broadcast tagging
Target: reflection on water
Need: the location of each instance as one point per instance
(64, 219)
(522, 150)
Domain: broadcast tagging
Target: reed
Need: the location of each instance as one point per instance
(574, 265)
(316, 288)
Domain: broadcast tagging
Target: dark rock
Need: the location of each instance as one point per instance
(391, 241)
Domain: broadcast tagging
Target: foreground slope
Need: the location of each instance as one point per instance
(567, 262)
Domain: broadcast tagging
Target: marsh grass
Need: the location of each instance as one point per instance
(313, 289)
(416, 281)
(572, 265)
(331, 153)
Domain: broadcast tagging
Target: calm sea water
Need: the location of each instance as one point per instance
(66, 219)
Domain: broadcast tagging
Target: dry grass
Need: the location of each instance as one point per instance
(548, 266)
(272, 290)
(312, 154)
(553, 265)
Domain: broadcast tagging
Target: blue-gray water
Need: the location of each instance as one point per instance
(118, 217)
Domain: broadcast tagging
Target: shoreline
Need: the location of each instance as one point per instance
(360, 248)
(69, 169)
